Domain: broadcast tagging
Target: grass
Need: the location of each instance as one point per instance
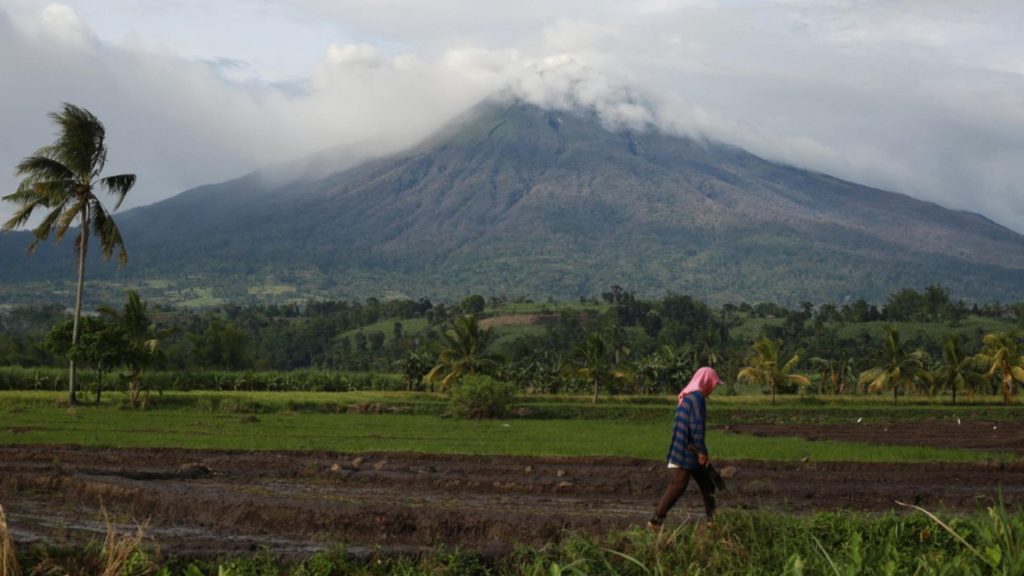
(737, 543)
(269, 421)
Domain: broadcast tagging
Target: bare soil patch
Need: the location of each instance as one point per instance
(519, 320)
(988, 435)
(205, 503)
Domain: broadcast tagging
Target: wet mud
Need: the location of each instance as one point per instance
(986, 435)
(215, 503)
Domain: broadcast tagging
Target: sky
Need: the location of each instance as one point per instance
(923, 97)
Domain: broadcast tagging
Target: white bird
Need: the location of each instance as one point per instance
(957, 421)
(859, 419)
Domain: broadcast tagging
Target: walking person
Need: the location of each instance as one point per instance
(687, 454)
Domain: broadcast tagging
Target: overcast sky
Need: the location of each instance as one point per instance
(920, 97)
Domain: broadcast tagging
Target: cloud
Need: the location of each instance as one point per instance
(918, 97)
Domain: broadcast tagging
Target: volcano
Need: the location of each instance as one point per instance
(512, 199)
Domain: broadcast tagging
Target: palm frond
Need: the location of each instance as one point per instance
(869, 376)
(1018, 373)
(118, 186)
(879, 383)
(48, 225)
(43, 168)
(21, 216)
(799, 379)
(80, 144)
(108, 233)
(67, 214)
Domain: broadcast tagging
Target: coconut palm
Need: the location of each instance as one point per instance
(63, 179)
(1001, 356)
(954, 369)
(142, 339)
(463, 351)
(765, 368)
(595, 362)
(897, 367)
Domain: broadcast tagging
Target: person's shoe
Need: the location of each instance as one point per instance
(709, 507)
(654, 524)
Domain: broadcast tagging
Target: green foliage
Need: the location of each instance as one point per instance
(17, 378)
(463, 351)
(480, 396)
(896, 366)
(63, 178)
(1002, 357)
(766, 367)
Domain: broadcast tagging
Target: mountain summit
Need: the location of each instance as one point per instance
(513, 199)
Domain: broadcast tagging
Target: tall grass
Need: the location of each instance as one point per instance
(737, 543)
(8, 560)
(763, 543)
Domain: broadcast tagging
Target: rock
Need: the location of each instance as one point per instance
(357, 463)
(528, 470)
(728, 472)
(335, 467)
(563, 486)
(379, 465)
(560, 473)
(805, 459)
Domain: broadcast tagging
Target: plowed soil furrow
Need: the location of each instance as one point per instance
(217, 502)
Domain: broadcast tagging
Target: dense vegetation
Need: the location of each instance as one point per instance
(615, 344)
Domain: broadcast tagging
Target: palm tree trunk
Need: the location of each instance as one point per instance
(73, 374)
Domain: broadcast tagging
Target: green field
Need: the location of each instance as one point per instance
(326, 421)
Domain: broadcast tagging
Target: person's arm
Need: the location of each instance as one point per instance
(698, 414)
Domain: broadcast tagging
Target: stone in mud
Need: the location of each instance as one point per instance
(335, 467)
(560, 473)
(728, 472)
(358, 463)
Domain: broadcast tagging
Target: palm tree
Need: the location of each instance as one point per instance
(954, 368)
(594, 359)
(63, 178)
(142, 339)
(463, 351)
(765, 368)
(897, 366)
(1001, 355)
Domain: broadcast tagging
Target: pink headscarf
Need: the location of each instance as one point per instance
(704, 380)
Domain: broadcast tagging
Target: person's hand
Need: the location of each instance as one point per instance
(702, 459)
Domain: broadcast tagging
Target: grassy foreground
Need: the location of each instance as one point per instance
(738, 543)
(268, 421)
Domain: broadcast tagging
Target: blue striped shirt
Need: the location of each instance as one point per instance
(688, 432)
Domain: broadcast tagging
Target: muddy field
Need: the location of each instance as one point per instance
(208, 503)
(988, 435)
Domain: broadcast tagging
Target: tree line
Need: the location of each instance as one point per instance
(615, 344)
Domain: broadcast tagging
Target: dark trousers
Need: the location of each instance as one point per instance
(677, 486)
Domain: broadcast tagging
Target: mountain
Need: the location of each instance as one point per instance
(516, 200)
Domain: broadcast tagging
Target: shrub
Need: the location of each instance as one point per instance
(478, 396)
